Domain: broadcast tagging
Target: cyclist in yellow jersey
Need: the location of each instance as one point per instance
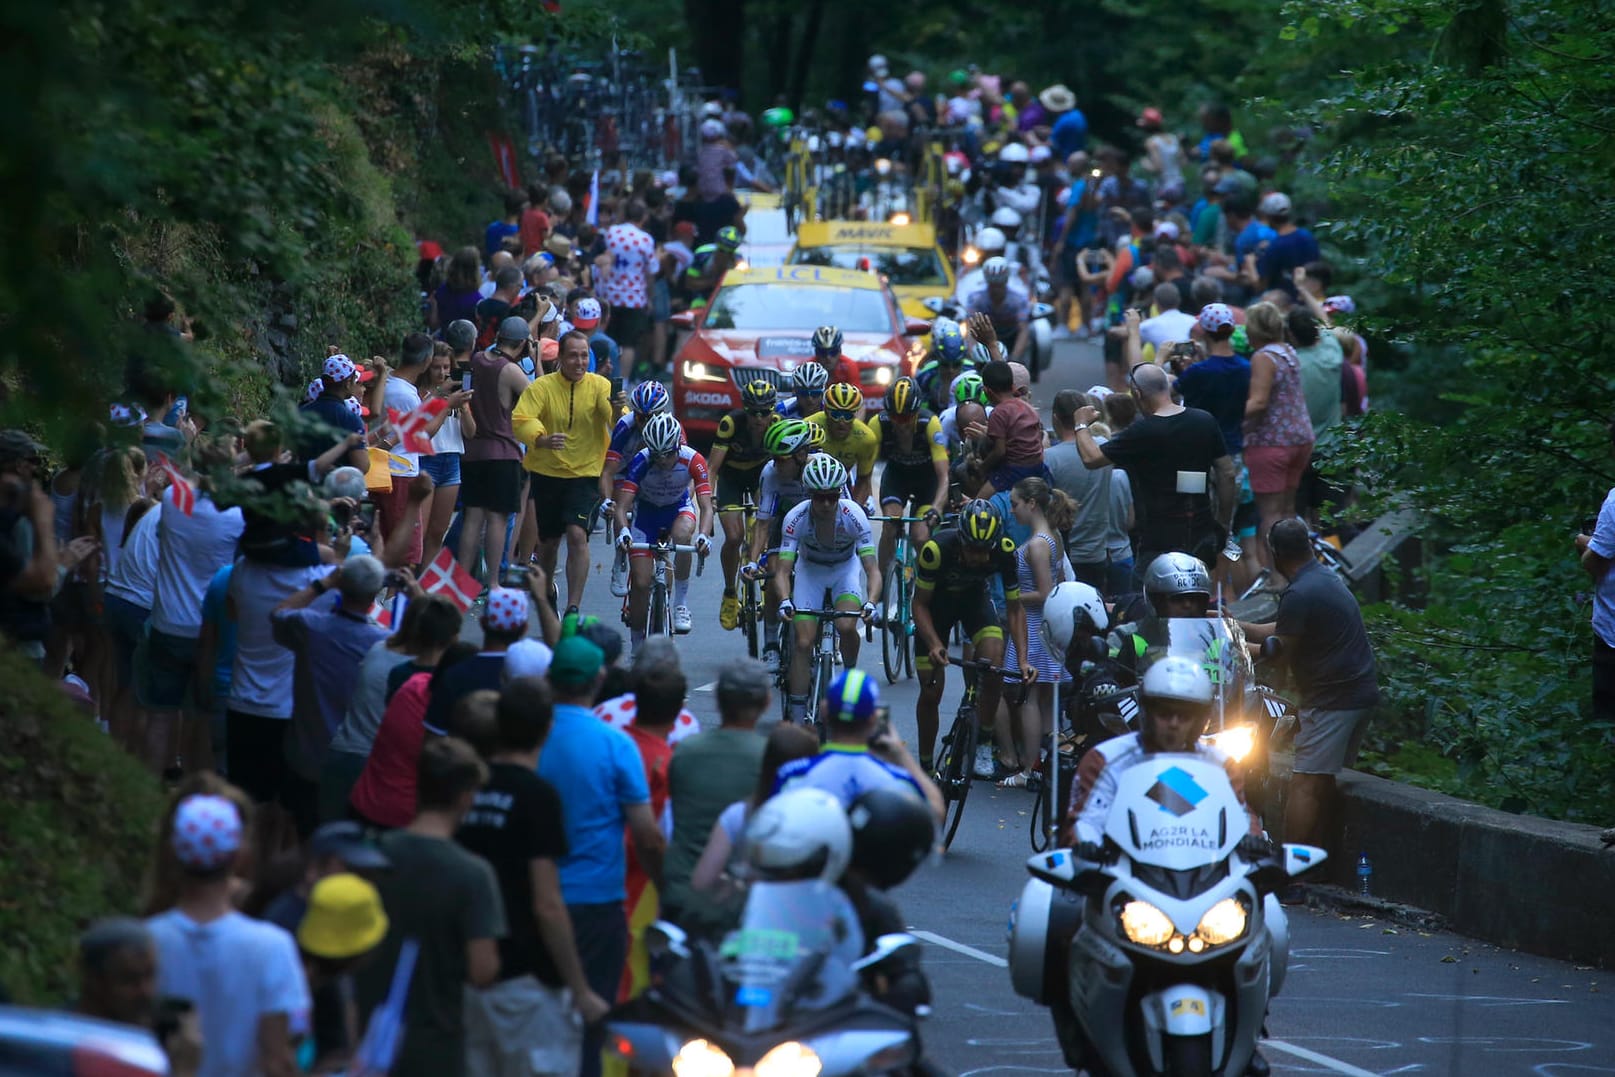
(846, 438)
(910, 440)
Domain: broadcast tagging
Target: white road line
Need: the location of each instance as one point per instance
(709, 686)
(1334, 1065)
(960, 948)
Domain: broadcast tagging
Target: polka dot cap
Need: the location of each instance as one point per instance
(315, 388)
(507, 610)
(207, 832)
(339, 368)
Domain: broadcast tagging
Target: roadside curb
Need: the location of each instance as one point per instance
(1339, 899)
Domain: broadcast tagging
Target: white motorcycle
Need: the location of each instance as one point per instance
(1161, 948)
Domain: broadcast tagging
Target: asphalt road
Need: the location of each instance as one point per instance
(1364, 996)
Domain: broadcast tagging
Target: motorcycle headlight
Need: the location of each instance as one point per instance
(694, 371)
(790, 1059)
(1224, 922)
(970, 256)
(1236, 740)
(698, 1058)
(1146, 925)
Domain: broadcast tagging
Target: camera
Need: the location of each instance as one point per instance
(513, 576)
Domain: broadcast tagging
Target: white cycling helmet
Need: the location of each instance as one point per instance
(1178, 679)
(995, 270)
(810, 378)
(799, 834)
(1014, 154)
(990, 240)
(1070, 606)
(662, 434)
(1004, 217)
(824, 472)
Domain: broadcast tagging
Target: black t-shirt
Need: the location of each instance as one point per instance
(1153, 451)
(476, 673)
(276, 531)
(492, 311)
(1329, 652)
(516, 819)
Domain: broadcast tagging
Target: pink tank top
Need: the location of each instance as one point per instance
(1287, 421)
(494, 439)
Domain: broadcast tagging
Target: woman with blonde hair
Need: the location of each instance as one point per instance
(1278, 429)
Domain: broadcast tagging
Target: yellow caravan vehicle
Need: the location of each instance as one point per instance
(907, 255)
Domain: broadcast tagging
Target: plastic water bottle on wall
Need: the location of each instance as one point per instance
(1365, 873)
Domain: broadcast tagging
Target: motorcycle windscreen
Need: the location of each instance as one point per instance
(1177, 812)
(793, 951)
(1207, 640)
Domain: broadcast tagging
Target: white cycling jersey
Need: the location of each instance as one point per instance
(777, 496)
(845, 538)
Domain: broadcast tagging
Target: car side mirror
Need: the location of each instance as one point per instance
(916, 327)
(684, 319)
(932, 303)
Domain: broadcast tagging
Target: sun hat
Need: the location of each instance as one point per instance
(1058, 98)
(344, 918)
(345, 840)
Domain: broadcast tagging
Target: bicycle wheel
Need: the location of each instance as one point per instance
(748, 616)
(893, 630)
(823, 673)
(1040, 831)
(959, 760)
(661, 618)
(1332, 559)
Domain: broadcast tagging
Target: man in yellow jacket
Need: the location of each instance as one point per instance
(565, 420)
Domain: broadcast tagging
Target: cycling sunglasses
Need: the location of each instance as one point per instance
(811, 394)
(1134, 369)
(760, 412)
(838, 413)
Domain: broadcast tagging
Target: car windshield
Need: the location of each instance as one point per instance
(751, 307)
(901, 266)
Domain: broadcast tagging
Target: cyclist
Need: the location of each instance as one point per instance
(627, 438)
(847, 439)
(1010, 311)
(808, 383)
(827, 342)
(950, 587)
(711, 262)
(946, 360)
(830, 536)
(657, 483)
(968, 388)
(790, 443)
(910, 440)
(738, 456)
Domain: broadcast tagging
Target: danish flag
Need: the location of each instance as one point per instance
(445, 577)
(184, 492)
(412, 435)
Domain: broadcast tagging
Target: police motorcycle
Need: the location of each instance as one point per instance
(1158, 941)
(803, 984)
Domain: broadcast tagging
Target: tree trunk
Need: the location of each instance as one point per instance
(779, 54)
(718, 31)
(806, 43)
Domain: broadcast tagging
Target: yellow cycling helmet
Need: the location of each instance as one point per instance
(816, 436)
(903, 398)
(759, 395)
(843, 397)
(979, 525)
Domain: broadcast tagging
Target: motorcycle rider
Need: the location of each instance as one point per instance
(1175, 585)
(1017, 251)
(1010, 311)
(991, 243)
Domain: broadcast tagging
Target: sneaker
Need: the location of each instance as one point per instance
(619, 576)
(986, 765)
(728, 613)
(681, 619)
(771, 659)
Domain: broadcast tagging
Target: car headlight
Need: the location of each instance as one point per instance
(970, 256)
(1236, 740)
(901, 219)
(1146, 925)
(790, 1059)
(1224, 922)
(698, 1058)
(883, 375)
(694, 371)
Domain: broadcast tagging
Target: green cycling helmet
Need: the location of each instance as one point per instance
(729, 238)
(1241, 343)
(779, 116)
(969, 389)
(787, 436)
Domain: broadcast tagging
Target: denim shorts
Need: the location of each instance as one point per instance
(444, 468)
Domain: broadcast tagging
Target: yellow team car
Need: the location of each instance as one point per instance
(906, 254)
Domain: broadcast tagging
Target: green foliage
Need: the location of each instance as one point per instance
(81, 816)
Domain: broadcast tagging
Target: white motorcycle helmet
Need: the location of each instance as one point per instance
(1014, 154)
(1184, 687)
(1070, 606)
(1005, 217)
(990, 241)
(799, 834)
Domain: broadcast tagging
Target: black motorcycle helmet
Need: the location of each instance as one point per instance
(892, 833)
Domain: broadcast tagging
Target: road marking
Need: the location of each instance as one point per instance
(1492, 1000)
(709, 686)
(1334, 1065)
(960, 948)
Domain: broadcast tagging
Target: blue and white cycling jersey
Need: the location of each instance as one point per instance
(664, 486)
(845, 771)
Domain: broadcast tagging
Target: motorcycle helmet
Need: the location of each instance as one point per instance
(827, 341)
(892, 834)
(1174, 574)
(968, 388)
(650, 397)
(729, 238)
(663, 434)
(979, 525)
(810, 378)
(1014, 154)
(903, 398)
(759, 395)
(843, 397)
(786, 436)
(1004, 217)
(824, 472)
(799, 834)
(1071, 607)
(1179, 680)
(995, 270)
(991, 241)
(948, 341)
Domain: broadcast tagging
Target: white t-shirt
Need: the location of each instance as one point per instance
(134, 576)
(234, 970)
(190, 549)
(403, 397)
(261, 681)
(1167, 327)
(448, 437)
(633, 259)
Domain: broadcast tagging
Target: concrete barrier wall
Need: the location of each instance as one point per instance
(1514, 880)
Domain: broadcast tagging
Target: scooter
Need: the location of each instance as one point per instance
(1158, 950)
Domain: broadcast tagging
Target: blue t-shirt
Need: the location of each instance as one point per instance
(1219, 384)
(333, 413)
(1085, 229)
(1603, 544)
(598, 772)
(1252, 238)
(1069, 134)
(1284, 255)
(216, 612)
(497, 231)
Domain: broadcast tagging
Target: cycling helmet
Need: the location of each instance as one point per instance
(810, 378)
(824, 472)
(800, 834)
(995, 270)
(990, 240)
(968, 388)
(948, 342)
(979, 525)
(1071, 606)
(663, 434)
(1004, 217)
(852, 697)
(1176, 574)
(816, 436)
(827, 340)
(778, 116)
(843, 397)
(729, 238)
(650, 397)
(892, 834)
(786, 436)
(1014, 154)
(759, 395)
(903, 398)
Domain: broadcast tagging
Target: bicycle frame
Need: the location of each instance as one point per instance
(659, 611)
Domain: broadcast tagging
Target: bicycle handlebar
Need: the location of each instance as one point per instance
(897, 520)
(670, 547)
(829, 615)
(986, 665)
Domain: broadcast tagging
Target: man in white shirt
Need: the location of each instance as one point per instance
(1171, 325)
(626, 283)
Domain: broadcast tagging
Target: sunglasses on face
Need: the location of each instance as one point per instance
(811, 394)
(826, 495)
(844, 416)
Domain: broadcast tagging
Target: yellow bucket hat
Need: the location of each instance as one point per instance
(344, 918)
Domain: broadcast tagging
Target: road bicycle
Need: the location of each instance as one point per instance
(1054, 779)
(956, 765)
(897, 602)
(660, 615)
(752, 597)
(751, 610)
(822, 659)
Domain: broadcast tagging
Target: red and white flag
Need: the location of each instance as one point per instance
(411, 428)
(184, 491)
(445, 577)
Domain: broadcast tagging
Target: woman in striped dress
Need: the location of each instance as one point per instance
(1041, 559)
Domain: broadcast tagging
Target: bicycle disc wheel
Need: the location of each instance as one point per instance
(958, 770)
(893, 632)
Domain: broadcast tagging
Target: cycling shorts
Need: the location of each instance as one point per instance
(735, 483)
(651, 522)
(905, 485)
(970, 609)
(845, 580)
